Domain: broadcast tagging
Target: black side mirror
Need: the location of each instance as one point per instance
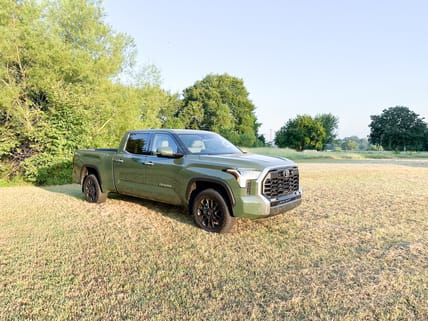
(167, 152)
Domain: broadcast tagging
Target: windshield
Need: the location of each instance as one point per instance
(208, 144)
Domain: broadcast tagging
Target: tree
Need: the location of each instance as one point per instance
(261, 141)
(57, 61)
(398, 128)
(302, 132)
(349, 144)
(353, 143)
(220, 103)
(158, 108)
(426, 139)
(330, 124)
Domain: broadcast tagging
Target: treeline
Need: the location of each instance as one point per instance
(395, 129)
(60, 66)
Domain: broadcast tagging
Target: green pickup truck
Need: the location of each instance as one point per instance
(200, 170)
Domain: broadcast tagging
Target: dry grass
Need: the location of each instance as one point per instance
(357, 249)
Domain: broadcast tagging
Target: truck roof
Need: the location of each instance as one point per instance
(166, 130)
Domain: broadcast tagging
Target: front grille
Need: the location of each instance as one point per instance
(281, 182)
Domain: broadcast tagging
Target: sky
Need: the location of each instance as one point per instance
(349, 58)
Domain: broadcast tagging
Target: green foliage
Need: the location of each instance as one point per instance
(398, 128)
(302, 132)
(349, 145)
(261, 141)
(330, 123)
(353, 143)
(57, 61)
(426, 139)
(147, 75)
(338, 154)
(220, 103)
(158, 108)
(45, 169)
(375, 148)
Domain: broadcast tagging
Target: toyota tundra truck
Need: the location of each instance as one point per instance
(199, 170)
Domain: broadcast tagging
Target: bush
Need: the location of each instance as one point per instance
(5, 171)
(45, 169)
(376, 147)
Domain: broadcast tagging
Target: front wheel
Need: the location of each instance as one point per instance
(92, 190)
(211, 213)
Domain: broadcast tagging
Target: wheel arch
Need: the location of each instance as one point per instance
(88, 170)
(198, 184)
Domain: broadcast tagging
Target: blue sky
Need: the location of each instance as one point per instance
(349, 58)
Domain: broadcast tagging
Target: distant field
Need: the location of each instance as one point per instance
(357, 249)
(313, 154)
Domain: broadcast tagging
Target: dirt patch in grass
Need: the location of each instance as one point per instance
(357, 249)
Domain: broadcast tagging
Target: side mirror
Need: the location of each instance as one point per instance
(167, 152)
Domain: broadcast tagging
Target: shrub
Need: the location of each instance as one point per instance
(45, 169)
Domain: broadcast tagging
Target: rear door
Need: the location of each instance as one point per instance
(130, 166)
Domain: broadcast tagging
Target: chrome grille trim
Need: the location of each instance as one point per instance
(280, 182)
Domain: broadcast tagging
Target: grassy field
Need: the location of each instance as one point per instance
(352, 155)
(357, 249)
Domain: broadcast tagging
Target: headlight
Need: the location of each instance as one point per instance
(243, 175)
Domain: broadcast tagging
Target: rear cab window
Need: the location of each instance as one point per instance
(138, 144)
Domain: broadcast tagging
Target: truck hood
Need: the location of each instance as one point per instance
(247, 161)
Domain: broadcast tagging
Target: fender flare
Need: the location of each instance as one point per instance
(190, 187)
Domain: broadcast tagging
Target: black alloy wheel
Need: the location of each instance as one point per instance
(92, 190)
(211, 213)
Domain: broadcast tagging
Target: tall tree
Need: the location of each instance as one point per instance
(302, 132)
(57, 61)
(220, 103)
(398, 128)
(330, 124)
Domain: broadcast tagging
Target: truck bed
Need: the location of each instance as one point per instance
(102, 157)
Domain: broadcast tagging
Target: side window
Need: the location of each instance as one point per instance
(138, 143)
(163, 141)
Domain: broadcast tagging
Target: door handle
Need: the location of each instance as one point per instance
(118, 160)
(148, 163)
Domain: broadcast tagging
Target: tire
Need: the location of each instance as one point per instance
(92, 190)
(211, 213)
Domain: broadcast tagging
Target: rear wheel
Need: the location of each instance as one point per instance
(92, 190)
(211, 213)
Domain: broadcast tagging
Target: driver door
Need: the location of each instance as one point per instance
(162, 174)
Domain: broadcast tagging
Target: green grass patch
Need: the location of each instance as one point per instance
(17, 181)
(357, 155)
(356, 249)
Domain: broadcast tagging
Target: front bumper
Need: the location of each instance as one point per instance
(286, 205)
(259, 207)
